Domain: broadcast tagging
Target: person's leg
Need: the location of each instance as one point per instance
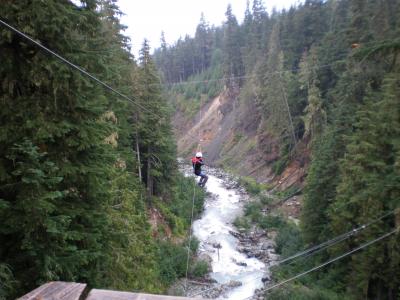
(203, 179)
(200, 180)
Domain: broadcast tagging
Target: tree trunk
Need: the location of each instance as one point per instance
(149, 178)
(138, 157)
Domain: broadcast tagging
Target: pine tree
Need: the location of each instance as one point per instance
(369, 177)
(233, 65)
(259, 19)
(273, 92)
(320, 189)
(203, 44)
(315, 116)
(54, 160)
(154, 130)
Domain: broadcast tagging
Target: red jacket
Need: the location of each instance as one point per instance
(197, 162)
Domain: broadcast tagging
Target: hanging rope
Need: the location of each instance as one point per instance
(193, 199)
(190, 237)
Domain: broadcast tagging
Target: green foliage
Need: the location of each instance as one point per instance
(271, 222)
(288, 240)
(290, 191)
(78, 166)
(266, 199)
(368, 174)
(344, 111)
(251, 185)
(172, 258)
(72, 203)
(181, 204)
(253, 211)
(320, 189)
(171, 263)
(7, 283)
(301, 292)
(242, 223)
(199, 269)
(130, 239)
(279, 166)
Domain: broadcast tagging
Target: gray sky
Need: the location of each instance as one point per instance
(147, 18)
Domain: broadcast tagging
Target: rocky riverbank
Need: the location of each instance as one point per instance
(260, 244)
(251, 244)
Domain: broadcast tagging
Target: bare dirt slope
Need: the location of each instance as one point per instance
(228, 133)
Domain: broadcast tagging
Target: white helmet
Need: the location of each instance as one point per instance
(199, 154)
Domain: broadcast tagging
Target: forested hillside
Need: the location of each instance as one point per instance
(315, 87)
(82, 169)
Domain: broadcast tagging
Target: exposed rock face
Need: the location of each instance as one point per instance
(225, 132)
(232, 134)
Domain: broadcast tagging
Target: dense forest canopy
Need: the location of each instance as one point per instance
(323, 79)
(81, 168)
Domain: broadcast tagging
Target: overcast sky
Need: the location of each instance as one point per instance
(147, 18)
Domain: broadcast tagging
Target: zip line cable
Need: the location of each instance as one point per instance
(321, 246)
(64, 60)
(245, 76)
(333, 260)
(335, 240)
(346, 54)
(280, 138)
(329, 261)
(312, 249)
(107, 86)
(193, 199)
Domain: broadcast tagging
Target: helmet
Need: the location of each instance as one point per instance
(199, 154)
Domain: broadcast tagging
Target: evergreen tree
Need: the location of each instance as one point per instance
(320, 189)
(54, 160)
(155, 133)
(315, 116)
(273, 85)
(259, 18)
(203, 40)
(233, 65)
(369, 177)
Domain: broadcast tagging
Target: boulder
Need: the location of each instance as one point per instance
(267, 245)
(266, 278)
(233, 284)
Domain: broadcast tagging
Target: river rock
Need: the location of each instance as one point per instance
(217, 245)
(266, 278)
(268, 244)
(233, 284)
(236, 234)
(239, 263)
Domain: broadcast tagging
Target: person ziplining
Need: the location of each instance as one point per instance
(197, 163)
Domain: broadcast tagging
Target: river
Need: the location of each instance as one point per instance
(213, 231)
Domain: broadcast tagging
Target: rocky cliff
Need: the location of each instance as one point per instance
(230, 134)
